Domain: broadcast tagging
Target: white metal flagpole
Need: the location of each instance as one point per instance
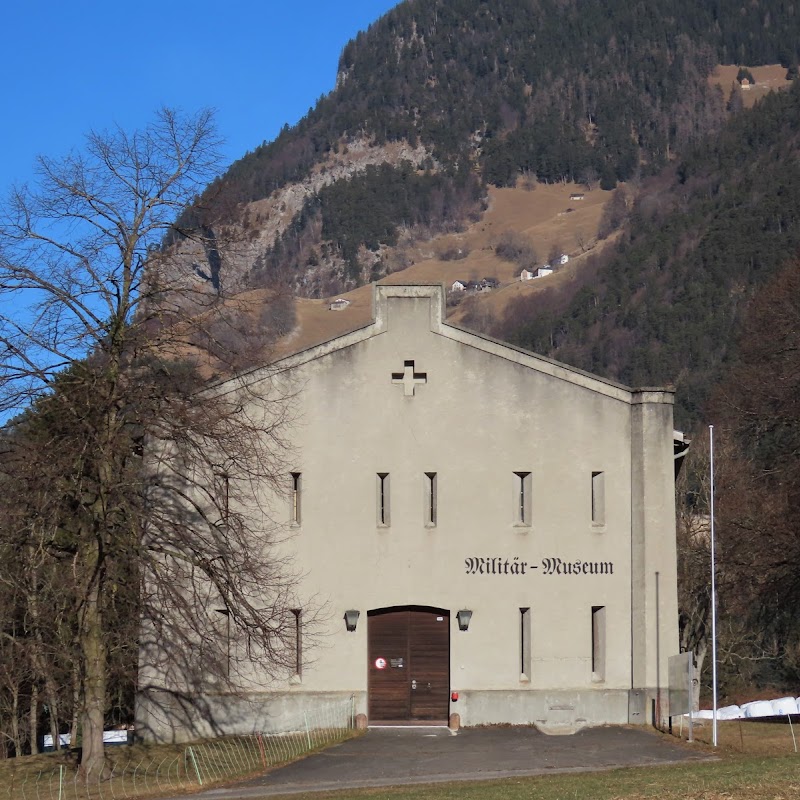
(713, 589)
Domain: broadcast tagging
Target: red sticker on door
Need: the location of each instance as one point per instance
(380, 663)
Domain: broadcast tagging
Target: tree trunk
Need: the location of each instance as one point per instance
(15, 734)
(76, 704)
(94, 678)
(41, 670)
(52, 704)
(34, 720)
(699, 658)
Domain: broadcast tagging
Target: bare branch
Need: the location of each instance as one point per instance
(115, 464)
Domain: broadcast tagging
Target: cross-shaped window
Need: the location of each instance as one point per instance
(409, 378)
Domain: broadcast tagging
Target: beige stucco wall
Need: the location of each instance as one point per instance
(484, 412)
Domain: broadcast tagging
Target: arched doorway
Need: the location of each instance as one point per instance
(409, 664)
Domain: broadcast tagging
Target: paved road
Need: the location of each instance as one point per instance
(394, 756)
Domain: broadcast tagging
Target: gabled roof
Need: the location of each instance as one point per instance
(383, 294)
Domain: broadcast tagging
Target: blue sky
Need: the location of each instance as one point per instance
(68, 67)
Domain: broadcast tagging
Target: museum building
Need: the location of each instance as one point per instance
(487, 532)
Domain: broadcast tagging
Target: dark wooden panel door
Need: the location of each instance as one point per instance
(389, 685)
(409, 664)
(429, 644)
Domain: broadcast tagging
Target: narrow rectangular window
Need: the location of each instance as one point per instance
(383, 500)
(227, 636)
(297, 485)
(522, 498)
(598, 643)
(525, 644)
(430, 499)
(298, 642)
(598, 498)
(222, 495)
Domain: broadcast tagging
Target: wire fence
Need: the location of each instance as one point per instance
(150, 771)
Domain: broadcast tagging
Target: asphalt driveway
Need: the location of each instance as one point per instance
(395, 756)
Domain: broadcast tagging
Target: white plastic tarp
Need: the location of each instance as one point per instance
(758, 708)
(730, 712)
(784, 705)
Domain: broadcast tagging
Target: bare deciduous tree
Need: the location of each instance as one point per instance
(693, 502)
(615, 213)
(516, 247)
(105, 342)
(759, 409)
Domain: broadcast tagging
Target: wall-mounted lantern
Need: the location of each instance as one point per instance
(464, 616)
(351, 619)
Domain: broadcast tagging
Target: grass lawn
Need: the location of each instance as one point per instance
(731, 778)
(151, 771)
(755, 761)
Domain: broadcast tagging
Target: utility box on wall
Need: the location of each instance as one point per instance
(637, 707)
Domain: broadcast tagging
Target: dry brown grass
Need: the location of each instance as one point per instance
(541, 215)
(150, 771)
(748, 737)
(54, 774)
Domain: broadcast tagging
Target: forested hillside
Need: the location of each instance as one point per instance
(581, 85)
(483, 92)
(665, 306)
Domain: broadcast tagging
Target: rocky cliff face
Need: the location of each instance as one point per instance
(246, 243)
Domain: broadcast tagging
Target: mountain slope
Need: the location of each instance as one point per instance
(666, 306)
(595, 85)
(438, 99)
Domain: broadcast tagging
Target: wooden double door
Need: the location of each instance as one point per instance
(409, 664)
